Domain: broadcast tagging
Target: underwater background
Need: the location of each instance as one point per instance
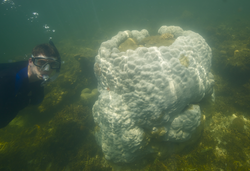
(59, 133)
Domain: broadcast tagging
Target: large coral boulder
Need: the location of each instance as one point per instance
(149, 92)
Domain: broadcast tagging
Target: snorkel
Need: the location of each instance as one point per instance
(46, 78)
(45, 64)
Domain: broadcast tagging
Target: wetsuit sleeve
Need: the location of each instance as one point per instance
(8, 110)
(2, 83)
(37, 95)
(7, 87)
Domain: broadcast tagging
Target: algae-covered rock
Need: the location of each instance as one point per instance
(89, 96)
(238, 124)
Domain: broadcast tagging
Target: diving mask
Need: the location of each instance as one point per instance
(46, 63)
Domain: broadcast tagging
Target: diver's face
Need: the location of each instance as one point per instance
(38, 72)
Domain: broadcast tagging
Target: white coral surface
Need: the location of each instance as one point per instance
(149, 91)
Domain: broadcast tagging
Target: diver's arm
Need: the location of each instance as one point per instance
(1, 93)
(37, 96)
(7, 110)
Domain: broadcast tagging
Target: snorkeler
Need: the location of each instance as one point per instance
(21, 83)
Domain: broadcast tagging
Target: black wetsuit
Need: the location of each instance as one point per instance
(15, 90)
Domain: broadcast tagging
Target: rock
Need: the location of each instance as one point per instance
(148, 93)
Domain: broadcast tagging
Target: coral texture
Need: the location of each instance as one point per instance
(149, 91)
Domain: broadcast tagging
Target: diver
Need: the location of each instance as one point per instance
(22, 83)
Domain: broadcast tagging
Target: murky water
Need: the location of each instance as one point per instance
(59, 133)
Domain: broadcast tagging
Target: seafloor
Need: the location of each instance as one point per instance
(59, 134)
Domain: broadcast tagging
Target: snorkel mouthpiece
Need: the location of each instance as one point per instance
(45, 77)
